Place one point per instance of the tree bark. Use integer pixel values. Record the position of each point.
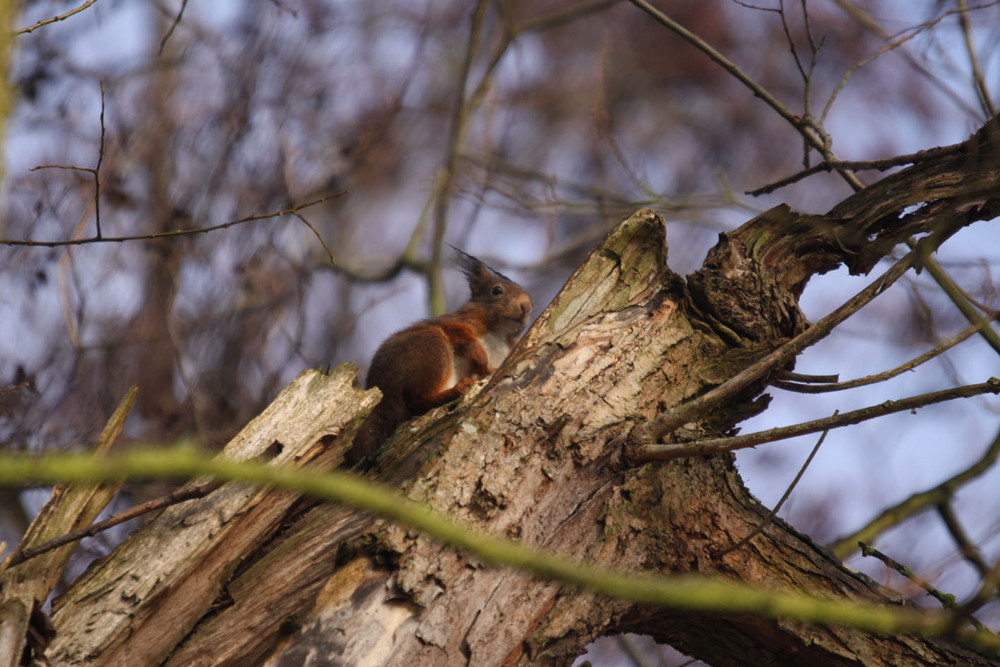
(538, 454)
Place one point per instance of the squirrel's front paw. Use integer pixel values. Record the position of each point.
(463, 385)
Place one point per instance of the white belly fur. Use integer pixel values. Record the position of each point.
(497, 348)
(460, 368)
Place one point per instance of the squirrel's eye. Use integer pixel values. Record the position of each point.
(497, 290)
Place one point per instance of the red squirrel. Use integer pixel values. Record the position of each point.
(435, 361)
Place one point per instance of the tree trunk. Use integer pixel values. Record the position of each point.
(538, 454)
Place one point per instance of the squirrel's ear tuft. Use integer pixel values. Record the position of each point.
(470, 266)
(475, 268)
(481, 276)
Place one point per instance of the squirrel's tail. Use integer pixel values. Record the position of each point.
(376, 430)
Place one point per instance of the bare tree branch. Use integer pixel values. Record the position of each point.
(55, 19)
(917, 503)
(644, 453)
(161, 235)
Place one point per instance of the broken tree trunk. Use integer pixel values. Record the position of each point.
(538, 454)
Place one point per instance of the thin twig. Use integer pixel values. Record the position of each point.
(917, 503)
(858, 165)
(774, 512)
(161, 235)
(986, 592)
(792, 376)
(970, 551)
(820, 388)
(173, 25)
(959, 298)
(718, 445)
(947, 600)
(806, 75)
(178, 496)
(93, 171)
(813, 46)
(97, 169)
(807, 87)
(358, 275)
(319, 237)
(54, 19)
(978, 82)
(795, 52)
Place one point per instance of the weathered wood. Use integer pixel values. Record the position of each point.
(136, 605)
(28, 584)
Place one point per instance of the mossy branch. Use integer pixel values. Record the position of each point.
(691, 592)
(918, 502)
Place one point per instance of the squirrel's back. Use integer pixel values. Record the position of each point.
(435, 361)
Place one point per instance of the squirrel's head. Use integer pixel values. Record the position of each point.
(507, 304)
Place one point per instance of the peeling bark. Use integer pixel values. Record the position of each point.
(137, 604)
(535, 454)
